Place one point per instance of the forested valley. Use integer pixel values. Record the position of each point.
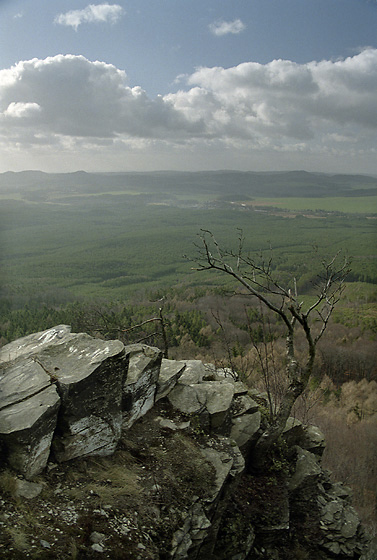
(118, 261)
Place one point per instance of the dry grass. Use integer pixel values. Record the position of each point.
(19, 539)
(8, 482)
(349, 422)
(109, 479)
(359, 400)
(351, 454)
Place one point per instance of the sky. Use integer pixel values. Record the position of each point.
(143, 85)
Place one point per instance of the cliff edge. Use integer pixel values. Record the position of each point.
(111, 451)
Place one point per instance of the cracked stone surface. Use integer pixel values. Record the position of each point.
(170, 372)
(54, 372)
(140, 386)
(34, 343)
(90, 374)
(26, 430)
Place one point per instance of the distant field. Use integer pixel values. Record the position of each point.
(108, 246)
(345, 204)
(155, 198)
(70, 236)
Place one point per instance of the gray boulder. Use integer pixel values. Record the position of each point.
(89, 377)
(246, 419)
(245, 430)
(51, 371)
(34, 343)
(140, 386)
(186, 399)
(29, 406)
(26, 431)
(307, 471)
(227, 461)
(26, 489)
(218, 398)
(308, 437)
(209, 401)
(195, 372)
(170, 372)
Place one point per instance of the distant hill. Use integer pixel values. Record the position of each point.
(241, 184)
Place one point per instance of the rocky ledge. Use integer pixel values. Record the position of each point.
(110, 450)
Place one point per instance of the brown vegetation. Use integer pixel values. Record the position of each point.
(341, 399)
(349, 422)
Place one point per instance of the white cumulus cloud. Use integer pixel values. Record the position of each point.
(93, 13)
(289, 99)
(220, 27)
(19, 110)
(79, 98)
(318, 108)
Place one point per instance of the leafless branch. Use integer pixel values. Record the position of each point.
(257, 278)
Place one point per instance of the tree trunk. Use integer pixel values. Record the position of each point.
(260, 454)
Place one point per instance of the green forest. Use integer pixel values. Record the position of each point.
(75, 240)
(114, 255)
(98, 251)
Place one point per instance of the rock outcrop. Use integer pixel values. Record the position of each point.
(181, 434)
(62, 390)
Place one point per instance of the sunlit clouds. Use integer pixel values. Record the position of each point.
(315, 108)
(93, 13)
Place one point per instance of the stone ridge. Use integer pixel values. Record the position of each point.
(66, 396)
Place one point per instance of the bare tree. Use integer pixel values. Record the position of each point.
(256, 276)
(105, 323)
(161, 322)
(266, 362)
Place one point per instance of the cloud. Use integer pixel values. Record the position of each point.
(290, 99)
(93, 13)
(71, 96)
(320, 108)
(220, 27)
(21, 110)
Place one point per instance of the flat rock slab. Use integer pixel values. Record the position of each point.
(34, 343)
(89, 375)
(20, 380)
(170, 372)
(194, 372)
(26, 430)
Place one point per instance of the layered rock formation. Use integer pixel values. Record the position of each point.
(62, 390)
(66, 397)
